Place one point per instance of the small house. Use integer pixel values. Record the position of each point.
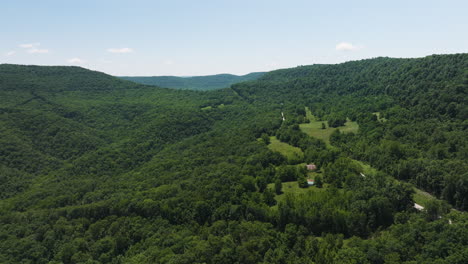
(311, 167)
(310, 182)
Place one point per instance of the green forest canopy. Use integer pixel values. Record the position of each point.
(96, 169)
(200, 83)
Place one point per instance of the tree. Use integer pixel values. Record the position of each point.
(435, 209)
(261, 183)
(302, 182)
(269, 197)
(278, 186)
(286, 173)
(324, 126)
(318, 181)
(249, 183)
(265, 138)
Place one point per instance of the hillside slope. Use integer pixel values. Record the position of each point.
(201, 83)
(425, 101)
(95, 169)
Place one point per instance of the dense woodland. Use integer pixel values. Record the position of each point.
(200, 83)
(96, 169)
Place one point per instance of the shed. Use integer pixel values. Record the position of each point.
(311, 167)
(310, 182)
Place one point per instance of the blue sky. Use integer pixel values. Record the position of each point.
(204, 37)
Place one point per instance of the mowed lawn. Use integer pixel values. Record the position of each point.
(290, 152)
(314, 128)
(421, 197)
(293, 188)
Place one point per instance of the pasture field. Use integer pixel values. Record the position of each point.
(290, 152)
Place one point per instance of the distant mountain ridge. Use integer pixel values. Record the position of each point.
(97, 169)
(201, 83)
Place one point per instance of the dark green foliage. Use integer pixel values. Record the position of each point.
(302, 182)
(266, 138)
(335, 121)
(318, 182)
(338, 171)
(261, 183)
(269, 197)
(278, 186)
(94, 169)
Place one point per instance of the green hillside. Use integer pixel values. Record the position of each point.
(201, 83)
(96, 169)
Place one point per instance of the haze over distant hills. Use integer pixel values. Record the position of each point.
(97, 169)
(202, 83)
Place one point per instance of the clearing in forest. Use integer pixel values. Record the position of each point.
(422, 197)
(290, 152)
(294, 189)
(379, 117)
(314, 128)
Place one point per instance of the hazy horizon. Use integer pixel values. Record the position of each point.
(221, 73)
(182, 38)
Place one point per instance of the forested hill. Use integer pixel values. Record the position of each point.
(56, 78)
(404, 78)
(201, 83)
(96, 169)
(425, 101)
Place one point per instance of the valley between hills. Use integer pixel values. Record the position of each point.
(359, 162)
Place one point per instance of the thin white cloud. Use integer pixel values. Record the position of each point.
(76, 61)
(346, 46)
(10, 53)
(29, 45)
(35, 50)
(121, 50)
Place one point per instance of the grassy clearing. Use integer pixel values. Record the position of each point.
(422, 197)
(290, 152)
(293, 188)
(212, 107)
(309, 114)
(366, 168)
(314, 128)
(380, 119)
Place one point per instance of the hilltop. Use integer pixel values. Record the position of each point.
(201, 83)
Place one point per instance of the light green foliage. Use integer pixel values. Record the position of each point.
(292, 188)
(293, 154)
(422, 198)
(315, 128)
